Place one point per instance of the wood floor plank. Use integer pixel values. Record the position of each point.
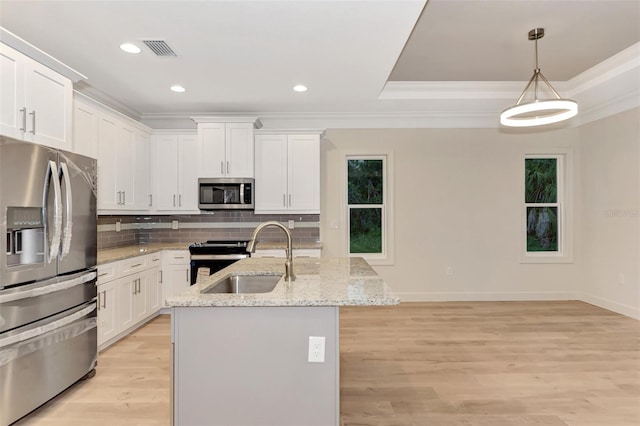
(435, 364)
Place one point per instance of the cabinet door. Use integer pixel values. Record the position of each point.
(166, 172)
(212, 137)
(11, 92)
(271, 173)
(239, 150)
(303, 181)
(107, 154)
(124, 302)
(188, 160)
(126, 166)
(154, 290)
(141, 171)
(107, 315)
(49, 102)
(85, 130)
(140, 288)
(181, 278)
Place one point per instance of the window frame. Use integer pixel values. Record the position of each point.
(386, 257)
(563, 203)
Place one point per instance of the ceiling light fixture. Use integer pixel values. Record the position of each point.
(538, 111)
(300, 88)
(178, 89)
(130, 48)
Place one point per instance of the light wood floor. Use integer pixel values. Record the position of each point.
(437, 364)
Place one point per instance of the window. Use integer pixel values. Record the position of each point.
(367, 207)
(544, 207)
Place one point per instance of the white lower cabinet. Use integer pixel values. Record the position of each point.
(176, 273)
(128, 294)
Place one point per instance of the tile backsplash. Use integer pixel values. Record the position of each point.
(224, 225)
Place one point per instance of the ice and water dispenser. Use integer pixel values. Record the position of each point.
(25, 236)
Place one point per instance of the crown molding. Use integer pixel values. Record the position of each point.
(28, 49)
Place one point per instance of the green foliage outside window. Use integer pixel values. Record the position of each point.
(541, 187)
(365, 186)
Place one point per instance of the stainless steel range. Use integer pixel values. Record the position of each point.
(48, 250)
(212, 256)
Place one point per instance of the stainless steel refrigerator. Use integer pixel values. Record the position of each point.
(48, 250)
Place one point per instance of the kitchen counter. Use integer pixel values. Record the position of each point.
(121, 253)
(319, 282)
(277, 351)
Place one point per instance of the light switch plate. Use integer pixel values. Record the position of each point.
(292, 224)
(174, 224)
(118, 226)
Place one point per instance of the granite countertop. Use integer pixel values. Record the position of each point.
(319, 282)
(121, 253)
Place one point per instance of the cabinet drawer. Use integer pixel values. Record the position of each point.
(106, 273)
(176, 257)
(155, 259)
(133, 265)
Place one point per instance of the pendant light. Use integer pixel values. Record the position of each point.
(538, 112)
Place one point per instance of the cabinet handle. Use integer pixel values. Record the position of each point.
(174, 200)
(284, 200)
(289, 200)
(150, 200)
(99, 300)
(24, 119)
(178, 257)
(228, 167)
(139, 285)
(179, 200)
(136, 265)
(155, 260)
(104, 299)
(124, 197)
(33, 122)
(187, 271)
(133, 287)
(161, 277)
(103, 274)
(222, 168)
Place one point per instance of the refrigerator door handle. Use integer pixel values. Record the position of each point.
(68, 223)
(52, 175)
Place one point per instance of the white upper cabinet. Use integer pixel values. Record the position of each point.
(36, 102)
(85, 129)
(175, 172)
(123, 163)
(226, 145)
(287, 172)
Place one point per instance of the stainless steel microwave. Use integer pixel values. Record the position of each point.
(225, 193)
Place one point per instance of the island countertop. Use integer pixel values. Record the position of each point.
(347, 281)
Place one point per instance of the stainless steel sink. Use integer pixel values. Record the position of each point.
(245, 284)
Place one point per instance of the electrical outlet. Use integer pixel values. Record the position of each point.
(292, 224)
(118, 226)
(174, 224)
(449, 271)
(316, 348)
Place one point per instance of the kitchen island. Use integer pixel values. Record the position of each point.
(243, 359)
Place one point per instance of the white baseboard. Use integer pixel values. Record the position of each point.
(618, 308)
(483, 296)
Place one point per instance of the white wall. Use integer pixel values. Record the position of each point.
(610, 188)
(458, 202)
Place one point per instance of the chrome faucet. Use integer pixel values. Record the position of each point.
(288, 265)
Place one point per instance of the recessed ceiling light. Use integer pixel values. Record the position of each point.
(300, 88)
(130, 48)
(178, 89)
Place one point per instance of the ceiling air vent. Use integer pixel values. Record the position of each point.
(159, 47)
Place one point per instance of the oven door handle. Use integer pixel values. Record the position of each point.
(46, 289)
(218, 256)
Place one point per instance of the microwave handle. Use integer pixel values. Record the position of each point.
(242, 193)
